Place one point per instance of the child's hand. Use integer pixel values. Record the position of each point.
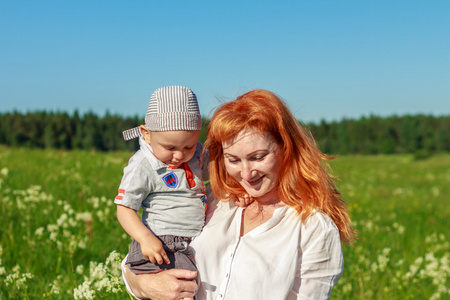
(152, 249)
(243, 200)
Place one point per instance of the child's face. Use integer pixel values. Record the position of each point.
(172, 147)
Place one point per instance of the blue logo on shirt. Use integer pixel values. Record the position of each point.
(171, 180)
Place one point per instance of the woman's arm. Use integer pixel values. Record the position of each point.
(322, 263)
(165, 285)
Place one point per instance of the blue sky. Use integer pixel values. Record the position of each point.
(328, 59)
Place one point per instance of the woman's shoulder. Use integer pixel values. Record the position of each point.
(318, 222)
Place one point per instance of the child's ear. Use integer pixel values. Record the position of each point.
(145, 133)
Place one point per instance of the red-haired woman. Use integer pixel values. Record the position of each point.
(286, 244)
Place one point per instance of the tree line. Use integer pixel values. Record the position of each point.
(367, 135)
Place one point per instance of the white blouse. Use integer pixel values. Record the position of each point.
(284, 258)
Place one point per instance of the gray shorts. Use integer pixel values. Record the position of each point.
(180, 254)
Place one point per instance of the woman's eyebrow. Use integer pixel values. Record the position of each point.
(228, 154)
(249, 154)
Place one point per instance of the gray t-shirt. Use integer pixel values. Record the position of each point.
(170, 205)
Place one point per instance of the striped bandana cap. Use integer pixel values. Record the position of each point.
(170, 108)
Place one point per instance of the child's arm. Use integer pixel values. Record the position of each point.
(151, 246)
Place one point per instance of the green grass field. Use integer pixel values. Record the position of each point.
(60, 238)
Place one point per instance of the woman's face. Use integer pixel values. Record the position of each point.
(254, 160)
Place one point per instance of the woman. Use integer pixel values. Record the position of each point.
(286, 243)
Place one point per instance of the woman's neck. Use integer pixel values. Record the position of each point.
(269, 198)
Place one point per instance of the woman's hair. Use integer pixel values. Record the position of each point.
(304, 183)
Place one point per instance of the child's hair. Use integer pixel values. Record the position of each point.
(304, 183)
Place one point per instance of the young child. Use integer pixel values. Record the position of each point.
(165, 177)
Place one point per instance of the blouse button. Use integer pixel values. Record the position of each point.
(220, 295)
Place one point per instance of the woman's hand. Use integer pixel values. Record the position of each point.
(166, 285)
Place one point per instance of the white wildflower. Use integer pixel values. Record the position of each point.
(53, 236)
(374, 267)
(382, 260)
(82, 244)
(18, 280)
(347, 288)
(116, 284)
(85, 216)
(113, 257)
(39, 231)
(71, 222)
(102, 284)
(400, 229)
(52, 227)
(67, 234)
(94, 201)
(436, 191)
(430, 256)
(68, 208)
(414, 268)
(107, 211)
(83, 291)
(54, 289)
(62, 220)
(369, 225)
(397, 192)
(79, 269)
(101, 216)
(399, 263)
(97, 271)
